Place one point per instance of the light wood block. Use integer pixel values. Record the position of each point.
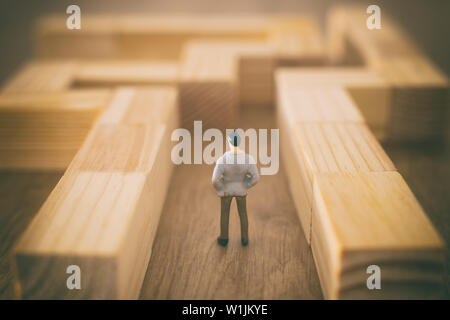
(419, 90)
(95, 39)
(141, 36)
(369, 92)
(103, 214)
(42, 76)
(420, 98)
(332, 147)
(50, 106)
(61, 75)
(297, 41)
(45, 130)
(119, 73)
(208, 85)
(348, 194)
(363, 219)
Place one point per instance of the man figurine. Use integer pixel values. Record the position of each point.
(234, 174)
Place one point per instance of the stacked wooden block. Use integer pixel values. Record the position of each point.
(208, 85)
(355, 208)
(366, 89)
(48, 107)
(66, 74)
(103, 214)
(45, 130)
(419, 90)
(141, 37)
(296, 41)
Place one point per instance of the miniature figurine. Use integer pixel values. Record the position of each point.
(234, 174)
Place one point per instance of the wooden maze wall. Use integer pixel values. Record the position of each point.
(102, 102)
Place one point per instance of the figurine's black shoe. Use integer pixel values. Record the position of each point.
(244, 242)
(222, 242)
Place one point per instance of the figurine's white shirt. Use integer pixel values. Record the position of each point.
(234, 174)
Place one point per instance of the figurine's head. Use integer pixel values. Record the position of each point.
(234, 139)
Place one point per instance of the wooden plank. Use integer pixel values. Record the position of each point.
(297, 41)
(119, 73)
(363, 219)
(48, 107)
(332, 147)
(325, 150)
(369, 91)
(64, 74)
(419, 100)
(208, 85)
(103, 214)
(42, 76)
(141, 36)
(45, 130)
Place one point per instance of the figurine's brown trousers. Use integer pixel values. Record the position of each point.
(225, 216)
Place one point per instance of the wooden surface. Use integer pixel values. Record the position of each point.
(23, 193)
(277, 264)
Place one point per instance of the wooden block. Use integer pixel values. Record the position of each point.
(208, 85)
(347, 27)
(120, 73)
(95, 39)
(103, 214)
(419, 99)
(45, 130)
(370, 92)
(312, 109)
(372, 218)
(256, 65)
(297, 41)
(61, 75)
(162, 37)
(141, 36)
(42, 76)
(333, 147)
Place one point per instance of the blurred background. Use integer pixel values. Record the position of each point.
(425, 21)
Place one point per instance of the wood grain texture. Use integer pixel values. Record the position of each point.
(208, 85)
(103, 214)
(141, 36)
(328, 146)
(366, 90)
(277, 264)
(297, 40)
(44, 130)
(21, 195)
(41, 76)
(363, 219)
(420, 90)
